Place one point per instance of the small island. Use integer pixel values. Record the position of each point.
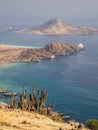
(10, 53)
(58, 26)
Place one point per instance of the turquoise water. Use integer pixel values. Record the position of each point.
(71, 80)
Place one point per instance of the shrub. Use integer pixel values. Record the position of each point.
(56, 118)
(93, 124)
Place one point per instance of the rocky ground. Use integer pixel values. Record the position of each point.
(23, 120)
(15, 54)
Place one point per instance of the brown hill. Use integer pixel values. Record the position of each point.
(58, 26)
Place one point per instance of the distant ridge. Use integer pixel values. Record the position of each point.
(58, 26)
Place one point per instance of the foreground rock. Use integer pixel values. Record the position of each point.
(17, 54)
(22, 120)
(2, 90)
(57, 26)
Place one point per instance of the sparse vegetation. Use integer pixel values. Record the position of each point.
(57, 118)
(93, 124)
(35, 101)
(24, 122)
(5, 123)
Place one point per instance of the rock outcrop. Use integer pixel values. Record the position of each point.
(57, 26)
(34, 55)
(61, 49)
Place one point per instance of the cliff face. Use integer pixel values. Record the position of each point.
(57, 26)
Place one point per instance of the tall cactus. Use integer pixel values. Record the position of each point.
(53, 103)
(33, 91)
(33, 102)
(13, 102)
(39, 93)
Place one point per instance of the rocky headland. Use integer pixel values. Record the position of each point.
(58, 26)
(22, 54)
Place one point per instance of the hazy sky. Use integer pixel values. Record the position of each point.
(42, 8)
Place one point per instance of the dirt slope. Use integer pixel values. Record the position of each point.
(22, 120)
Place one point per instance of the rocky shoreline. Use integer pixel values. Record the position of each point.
(22, 54)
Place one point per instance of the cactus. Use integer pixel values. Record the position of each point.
(49, 110)
(53, 103)
(35, 102)
(23, 91)
(13, 102)
(33, 91)
(39, 93)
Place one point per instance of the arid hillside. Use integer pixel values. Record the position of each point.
(23, 120)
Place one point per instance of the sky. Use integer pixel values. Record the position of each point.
(69, 9)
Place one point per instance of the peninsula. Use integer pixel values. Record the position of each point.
(22, 54)
(58, 26)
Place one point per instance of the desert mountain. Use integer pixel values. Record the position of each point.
(58, 26)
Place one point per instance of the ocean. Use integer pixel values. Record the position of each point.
(71, 80)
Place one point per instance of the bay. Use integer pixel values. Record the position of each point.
(71, 80)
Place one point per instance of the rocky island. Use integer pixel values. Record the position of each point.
(16, 54)
(58, 26)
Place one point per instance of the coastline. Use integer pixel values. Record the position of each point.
(11, 53)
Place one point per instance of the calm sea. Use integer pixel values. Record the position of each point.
(71, 80)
